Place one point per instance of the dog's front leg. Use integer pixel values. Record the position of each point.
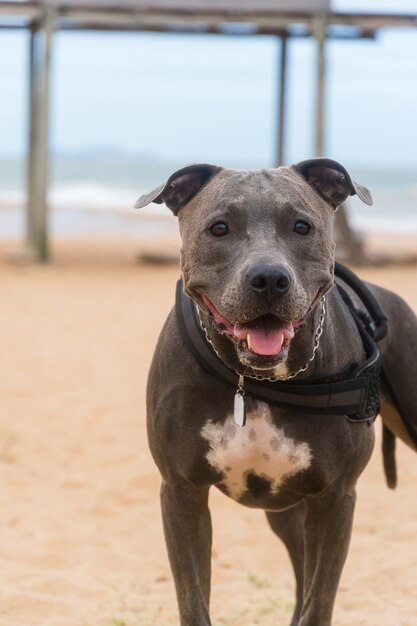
(188, 535)
(328, 528)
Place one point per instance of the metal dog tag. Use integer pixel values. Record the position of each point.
(240, 413)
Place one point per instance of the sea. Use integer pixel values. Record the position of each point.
(94, 194)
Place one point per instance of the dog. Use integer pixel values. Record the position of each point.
(257, 262)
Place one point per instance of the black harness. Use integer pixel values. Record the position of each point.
(353, 392)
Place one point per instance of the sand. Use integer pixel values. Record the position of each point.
(80, 532)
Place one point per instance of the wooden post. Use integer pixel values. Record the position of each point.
(282, 99)
(38, 165)
(320, 34)
(349, 245)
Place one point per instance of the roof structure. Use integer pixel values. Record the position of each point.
(250, 17)
(282, 18)
(190, 6)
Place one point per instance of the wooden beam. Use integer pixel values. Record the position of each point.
(159, 12)
(38, 162)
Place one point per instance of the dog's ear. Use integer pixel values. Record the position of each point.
(180, 187)
(332, 181)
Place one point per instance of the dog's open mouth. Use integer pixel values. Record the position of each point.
(262, 342)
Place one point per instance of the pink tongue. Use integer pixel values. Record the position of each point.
(266, 340)
(266, 343)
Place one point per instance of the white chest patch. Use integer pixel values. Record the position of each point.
(258, 448)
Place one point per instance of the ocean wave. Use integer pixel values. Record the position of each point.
(72, 202)
(86, 196)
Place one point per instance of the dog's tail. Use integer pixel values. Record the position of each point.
(388, 454)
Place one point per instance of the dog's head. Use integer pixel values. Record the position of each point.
(258, 250)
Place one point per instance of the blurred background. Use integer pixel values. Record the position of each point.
(81, 540)
(128, 108)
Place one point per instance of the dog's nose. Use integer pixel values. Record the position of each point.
(269, 280)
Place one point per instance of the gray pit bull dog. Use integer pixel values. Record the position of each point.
(257, 259)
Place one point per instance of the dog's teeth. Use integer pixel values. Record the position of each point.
(248, 341)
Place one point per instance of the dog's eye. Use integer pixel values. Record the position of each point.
(302, 228)
(219, 229)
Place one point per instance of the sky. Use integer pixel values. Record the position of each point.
(196, 98)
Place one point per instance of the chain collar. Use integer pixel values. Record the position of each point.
(316, 343)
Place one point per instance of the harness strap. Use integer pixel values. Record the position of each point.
(349, 397)
(376, 322)
(376, 319)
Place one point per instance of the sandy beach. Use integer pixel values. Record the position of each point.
(81, 540)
